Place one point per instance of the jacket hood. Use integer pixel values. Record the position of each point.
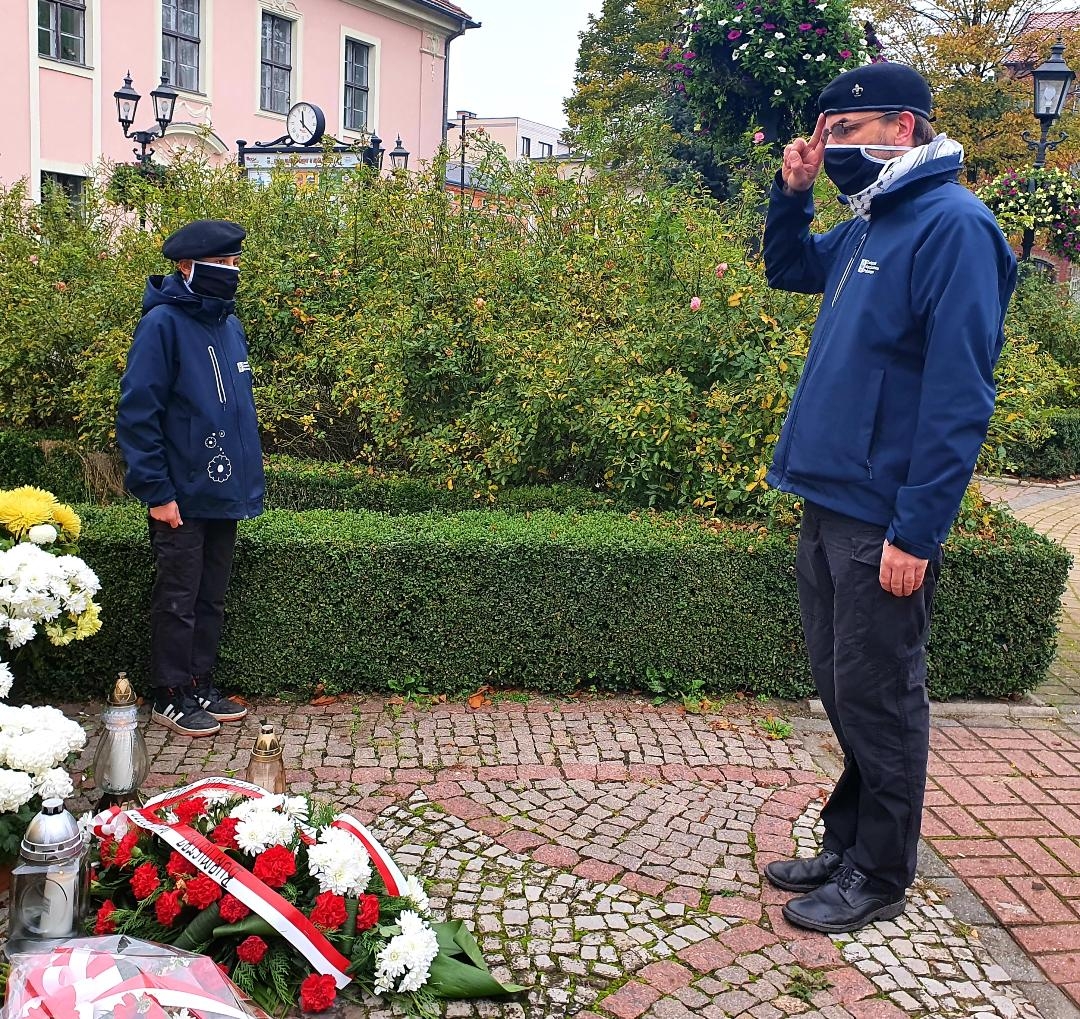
(173, 290)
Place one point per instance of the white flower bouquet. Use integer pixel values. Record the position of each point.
(46, 591)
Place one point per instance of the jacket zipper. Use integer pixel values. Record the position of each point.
(217, 375)
(847, 271)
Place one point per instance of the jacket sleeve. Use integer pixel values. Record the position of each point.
(796, 259)
(963, 276)
(144, 393)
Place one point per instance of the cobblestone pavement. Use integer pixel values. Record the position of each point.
(607, 854)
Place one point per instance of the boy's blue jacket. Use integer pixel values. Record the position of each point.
(898, 386)
(186, 420)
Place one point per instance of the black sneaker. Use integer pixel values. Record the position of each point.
(214, 704)
(180, 711)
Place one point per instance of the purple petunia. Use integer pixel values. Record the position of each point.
(689, 55)
(822, 31)
(768, 26)
(733, 35)
(844, 54)
(680, 87)
(805, 26)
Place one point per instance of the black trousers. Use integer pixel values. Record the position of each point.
(868, 657)
(187, 607)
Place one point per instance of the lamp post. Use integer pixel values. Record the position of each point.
(127, 102)
(463, 116)
(1051, 82)
(399, 156)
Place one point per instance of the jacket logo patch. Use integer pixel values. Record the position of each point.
(868, 266)
(219, 469)
(243, 366)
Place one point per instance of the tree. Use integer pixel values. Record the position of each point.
(977, 57)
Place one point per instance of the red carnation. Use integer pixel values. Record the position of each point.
(275, 866)
(317, 993)
(232, 910)
(167, 908)
(179, 866)
(329, 911)
(201, 892)
(367, 913)
(123, 851)
(224, 834)
(144, 881)
(105, 923)
(107, 850)
(187, 811)
(251, 950)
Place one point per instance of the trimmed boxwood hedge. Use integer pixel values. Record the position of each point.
(1059, 455)
(545, 601)
(61, 467)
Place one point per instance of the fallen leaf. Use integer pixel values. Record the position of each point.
(476, 700)
(324, 699)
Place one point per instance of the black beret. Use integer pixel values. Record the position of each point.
(881, 87)
(205, 238)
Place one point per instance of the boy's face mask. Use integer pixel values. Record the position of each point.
(212, 279)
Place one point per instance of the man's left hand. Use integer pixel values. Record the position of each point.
(901, 574)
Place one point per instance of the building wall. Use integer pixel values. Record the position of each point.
(510, 132)
(65, 114)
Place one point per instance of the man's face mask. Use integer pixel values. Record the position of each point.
(211, 279)
(852, 169)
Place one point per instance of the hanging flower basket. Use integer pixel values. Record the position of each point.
(1045, 200)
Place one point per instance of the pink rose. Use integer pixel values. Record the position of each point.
(695, 303)
(759, 137)
(720, 270)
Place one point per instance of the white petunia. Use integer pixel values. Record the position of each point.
(779, 35)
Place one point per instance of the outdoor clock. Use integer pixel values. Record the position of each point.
(306, 123)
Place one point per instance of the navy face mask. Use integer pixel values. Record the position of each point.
(851, 169)
(211, 279)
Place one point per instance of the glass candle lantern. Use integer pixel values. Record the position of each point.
(267, 768)
(121, 761)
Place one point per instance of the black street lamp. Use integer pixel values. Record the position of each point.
(399, 156)
(463, 116)
(127, 102)
(1052, 80)
(373, 153)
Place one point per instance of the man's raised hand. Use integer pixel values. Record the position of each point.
(802, 159)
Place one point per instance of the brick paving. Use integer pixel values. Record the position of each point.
(608, 853)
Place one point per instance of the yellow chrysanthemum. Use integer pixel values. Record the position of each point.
(88, 623)
(67, 520)
(60, 635)
(22, 508)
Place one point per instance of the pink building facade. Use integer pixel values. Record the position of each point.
(376, 66)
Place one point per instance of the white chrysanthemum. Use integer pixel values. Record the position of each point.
(54, 782)
(16, 788)
(34, 752)
(42, 534)
(414, 892)
(215, 797)
(340, 863)
(20, 631)
(407, 956)
(263, 829)
(6, 679)
(296, 807)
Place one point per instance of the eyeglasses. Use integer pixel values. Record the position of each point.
(843, 128)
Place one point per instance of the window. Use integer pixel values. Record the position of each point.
(545, 150)
(180, 43)
(357, 64)
(62, 30)
(276, 63)
(526, 146)
(66, 184)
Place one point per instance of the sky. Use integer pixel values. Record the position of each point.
(520, 63)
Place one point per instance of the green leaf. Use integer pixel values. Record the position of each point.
(251, 924)
(453, 979)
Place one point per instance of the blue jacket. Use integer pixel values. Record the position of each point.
(186, 420)
(898, 386)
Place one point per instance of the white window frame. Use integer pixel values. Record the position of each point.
(295, 76)
(374, 43)
(203, 88)
(87, 34)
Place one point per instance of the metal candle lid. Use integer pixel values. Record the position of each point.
(122, 693)
(267, 746)
(52, 835)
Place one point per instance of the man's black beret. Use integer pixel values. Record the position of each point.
(880, 87)
(205, 238)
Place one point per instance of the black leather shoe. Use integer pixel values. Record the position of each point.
(804, 874)
(844, 904)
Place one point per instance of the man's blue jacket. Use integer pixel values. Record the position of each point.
(186, 420)
(898, 386)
